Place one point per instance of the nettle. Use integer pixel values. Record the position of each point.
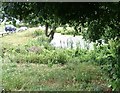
(112, 65)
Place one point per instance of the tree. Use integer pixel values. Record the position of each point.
(96, 16)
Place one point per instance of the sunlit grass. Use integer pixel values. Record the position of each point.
(19, 37)
(1, 27)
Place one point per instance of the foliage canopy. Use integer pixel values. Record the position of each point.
(102, 19)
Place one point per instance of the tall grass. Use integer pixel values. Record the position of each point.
(36, 65)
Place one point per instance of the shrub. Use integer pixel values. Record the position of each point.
(108, 57)
(114, 63)
(38, 33)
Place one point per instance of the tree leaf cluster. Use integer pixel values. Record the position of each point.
(97, 16)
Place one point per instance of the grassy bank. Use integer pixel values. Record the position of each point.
(31, 63)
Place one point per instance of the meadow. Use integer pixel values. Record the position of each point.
(30, 63)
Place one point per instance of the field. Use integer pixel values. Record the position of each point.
(30, 63)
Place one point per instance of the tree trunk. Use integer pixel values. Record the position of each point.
(46, 30)
(76, 31)
(51, 35)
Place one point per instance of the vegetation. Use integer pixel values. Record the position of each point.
(50, 68)
(35, 65)
(100, 19)
(96, 16)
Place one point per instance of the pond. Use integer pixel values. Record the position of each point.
(69, 41)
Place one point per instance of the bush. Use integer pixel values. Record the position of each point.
(108, 57)
(113, 59)
(44, 56)
(38, 32)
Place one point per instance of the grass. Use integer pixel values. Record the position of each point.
(19, 37)
(1, 28)
(67, 31)
(32, 77)
(77, 74)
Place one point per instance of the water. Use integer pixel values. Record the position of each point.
(68, 41)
